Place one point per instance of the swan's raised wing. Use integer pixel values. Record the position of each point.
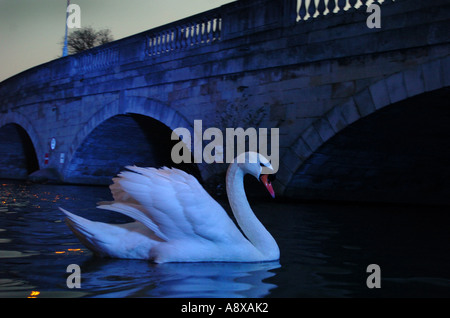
(172, 204)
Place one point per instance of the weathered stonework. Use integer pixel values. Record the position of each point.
(259, 67)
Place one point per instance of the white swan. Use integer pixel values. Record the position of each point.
(176, 220)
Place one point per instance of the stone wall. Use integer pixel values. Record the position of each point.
(249, 63)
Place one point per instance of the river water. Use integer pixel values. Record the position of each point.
(325, 251)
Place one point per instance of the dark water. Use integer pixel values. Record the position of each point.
(325, 251)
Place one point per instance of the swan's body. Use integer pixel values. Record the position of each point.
(177, 220)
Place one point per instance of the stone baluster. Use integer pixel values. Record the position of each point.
(206, 32)
(364, 4)
(166, 41)
(201, 38)
(169, 41)
(183, 34)
(219, 28)
(198, 36)
(173, 39)
(153, 45)
(163, 42)
(341, 4)
(157, 44)
(210, 30)
(198, 31)
(352, 4)
(312, 8)
(301, 10)
(160, 44)
(149, 45)
(177, 37)
(216, 29)
(321, 7)
(331, 6)
(187, 33)
(191, 34)
(168, 37)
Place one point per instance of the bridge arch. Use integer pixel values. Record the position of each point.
(20, 147)
(134, 130)
(411, 85)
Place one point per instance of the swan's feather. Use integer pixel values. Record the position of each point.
(136, 212)
(132, 240)
(177, 204)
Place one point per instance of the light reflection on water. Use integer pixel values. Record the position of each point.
(325, 250)
(128, 278)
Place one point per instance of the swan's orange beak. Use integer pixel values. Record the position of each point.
(265, 180)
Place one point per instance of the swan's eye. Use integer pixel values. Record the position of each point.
(272, 177)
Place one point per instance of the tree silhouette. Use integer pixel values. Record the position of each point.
(87, 38)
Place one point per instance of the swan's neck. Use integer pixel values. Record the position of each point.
(250, 225)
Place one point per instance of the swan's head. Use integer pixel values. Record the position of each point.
(258, 166)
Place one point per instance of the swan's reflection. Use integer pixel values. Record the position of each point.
(130, 278)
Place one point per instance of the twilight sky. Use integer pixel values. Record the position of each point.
(31, 31)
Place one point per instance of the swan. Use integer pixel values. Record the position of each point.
(176, 220)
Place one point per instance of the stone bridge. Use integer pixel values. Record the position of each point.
(363, 113)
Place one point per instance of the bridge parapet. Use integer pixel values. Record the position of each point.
(98, 59)
(225, 23)
(201, 29)
(236, 37)
(308, 10)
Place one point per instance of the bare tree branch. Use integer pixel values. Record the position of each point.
(87, 38)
